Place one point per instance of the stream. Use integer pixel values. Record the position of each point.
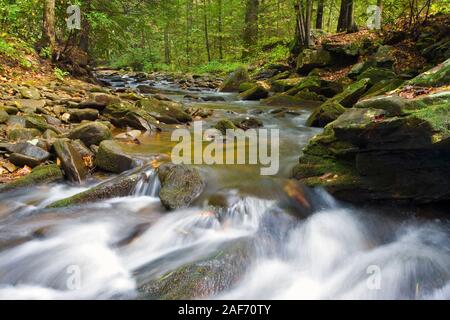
(260, 247)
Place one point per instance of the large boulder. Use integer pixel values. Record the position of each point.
(91, 133)
(326, 113)
(30, 93)
(436, 77)
(224, 125)
(284, 100)
(112, 158)
(22, 134)
(376, 75)
(285, 84)
(352, 93)
(234, 80)
(256, 93)
(180, 185)
(99, 100)
(71, 160)
(79, 115)
(39, 175)
(309, 59)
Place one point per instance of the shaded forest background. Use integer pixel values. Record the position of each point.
(193, 35)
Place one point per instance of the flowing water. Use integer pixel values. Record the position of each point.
(263, 245)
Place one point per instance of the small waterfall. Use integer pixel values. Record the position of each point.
(148, 185)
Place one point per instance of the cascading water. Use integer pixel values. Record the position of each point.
(257, 247)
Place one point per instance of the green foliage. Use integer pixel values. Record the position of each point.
(15, 50)
(60, 74)
(217, 67)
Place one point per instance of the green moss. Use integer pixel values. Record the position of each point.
(438, 76)
(438, 116)
(224, 125)
(246, 86)
(39, 175)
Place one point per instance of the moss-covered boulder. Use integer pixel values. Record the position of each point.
(246, 123)
(383, 87)
(385, 56)
(40, 123)
(22, 134)
(235, 79)
(4, 116)
(326, 113)
(39, 175)
(256, 93)
(306, 94)
(180, 185)
(309, 59)
(165, 111)
(87, 114)
(359, 68)
(120, 186)
(91, 133)
(72, 162)
(352, 93)
(376, 75)
(436, 77)
(246, 86)
(224, 125)
(285, 84)
(112, 158)
(99, 100)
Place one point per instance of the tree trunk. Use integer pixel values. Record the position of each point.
(189, 5)
(351, 25)
(167, 59)
(308, 23)
(205, 17)
(85, 28)
(48, 26)
(250, 36)
(319, 19)
(220, 27)
(343, 12)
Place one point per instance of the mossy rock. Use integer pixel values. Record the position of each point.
(352, 93)
(124, 115)
(305, 94)
(256, 93)
(165, 111)
(112, 158)
(326, 113)
(40, 175)
(234, 80)
(4, 116)
(40, 123)
(91, 133)
(285, 84)
(436, 77)
(180, 185)
(309, 59)
(284, 100)
(359, 68)
(376, 75)
(246, 86)
(382, 87)
(120, 186)
(224, 125)
(71, 160)
(23, 134)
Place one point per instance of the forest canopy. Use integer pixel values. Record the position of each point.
(204, 35)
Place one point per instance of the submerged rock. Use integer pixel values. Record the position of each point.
(39, 175)
(180, 185)
(91, 133)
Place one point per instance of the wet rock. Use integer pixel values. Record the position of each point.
(129, 136)
(111, 157)
(180, 185)
(234, 80)
(91, 133)
(286, 84)
(283, 100)
(120, 186)
(213, 98)
(224, 125)
(256, 93)
(326, 113)
(309, 59)
(124, 115)
(26, 154)
(39, 175)
(164, 111)
(146, 89)
(79, 115)
(71, 160)
(246, 86)
(247, 123)
(305, 94)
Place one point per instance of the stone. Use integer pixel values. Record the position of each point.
(99, 100)
(21, 134)
(247, 123)
(30, 93)
(376, 75)
(40, 175)
(256, 93)
(352, 93)
(234, 80)
(71, 161)
(79, 115)
(224, 125)
(164, 111)
(436, 77)
(309, 59)
(283, 100)
(28, 105)
(246, 86)
(40, 123)
(4, 116)
(180, 185)
(91, 133)
(326, 113)
(285, 84)
(111, 158)
(124, 115)
(26, 154)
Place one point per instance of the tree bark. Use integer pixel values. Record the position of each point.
(343, 13)
(167, 59)
(48, 26)
(308, 23)
(85, 28)
(205, 17)
(220, 27)
(319, 19)
(250, 35)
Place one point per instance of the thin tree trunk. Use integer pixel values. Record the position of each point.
(308, 23)
(85, 28)
(205, 17)
(250, 35)
(167, 44)
(48, 31)
(220, 31)
(343, 13)
(319, 19)
(188, 30)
